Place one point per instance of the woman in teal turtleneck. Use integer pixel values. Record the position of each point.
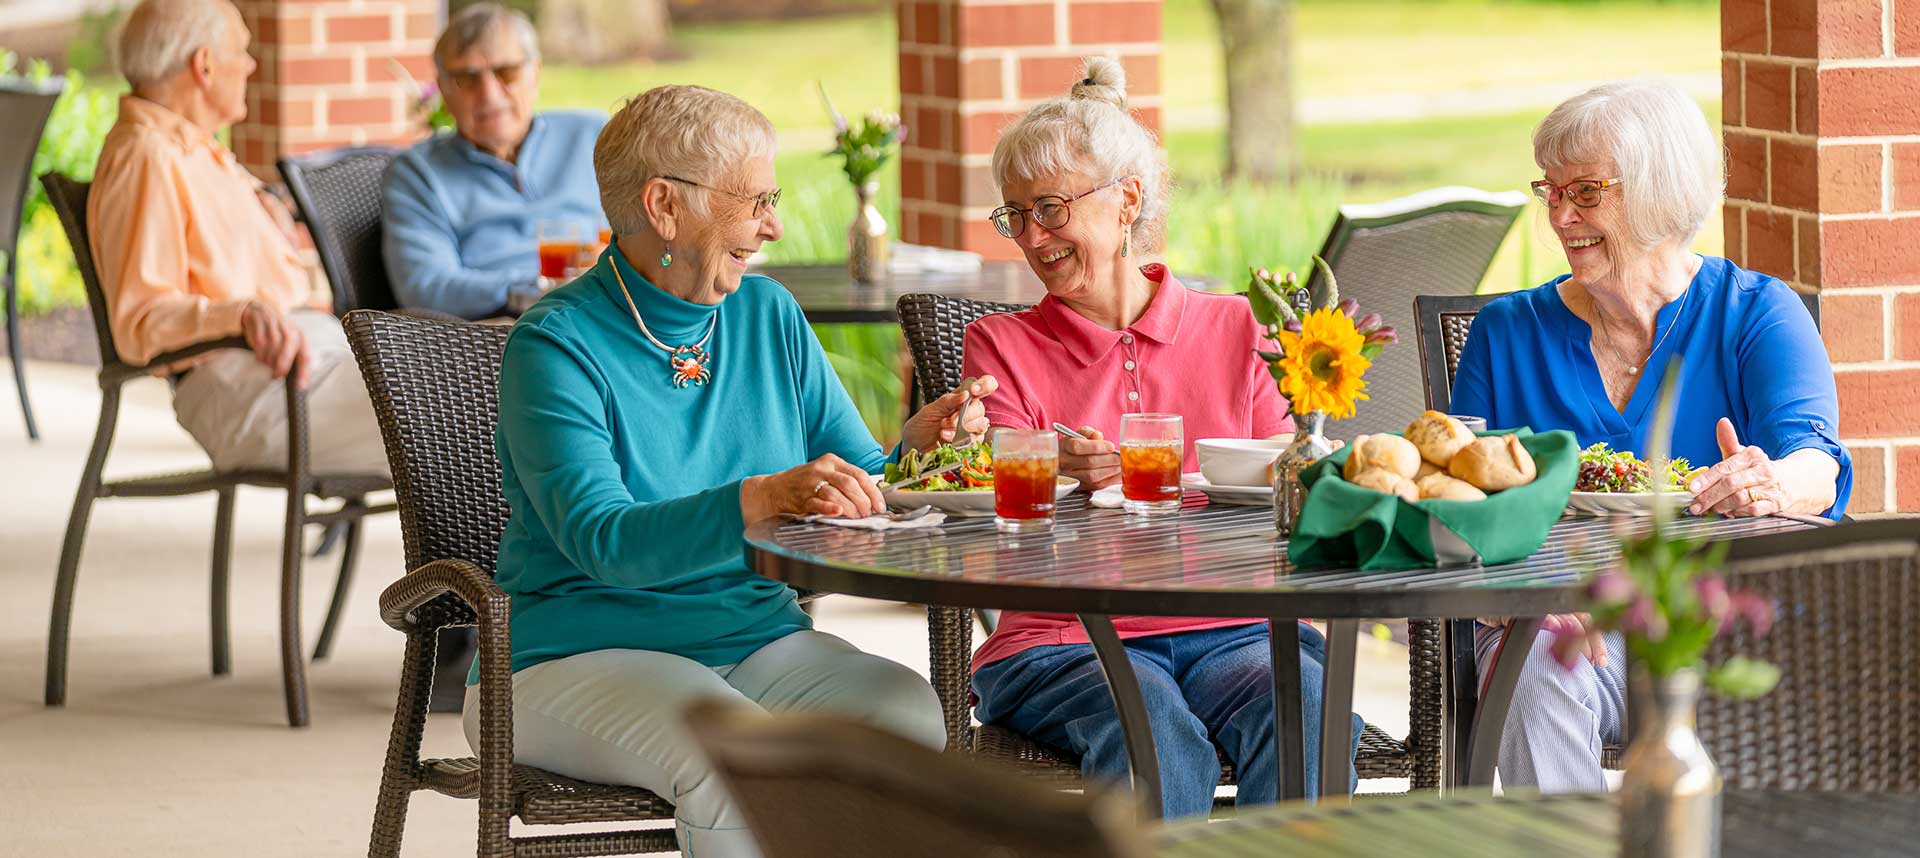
(649, 411)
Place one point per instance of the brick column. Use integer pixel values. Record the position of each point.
(325, 79)
(969, 68)
(1823, 191)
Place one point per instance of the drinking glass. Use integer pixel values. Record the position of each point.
(1026, 467)
(560, 246)
(1150, 455)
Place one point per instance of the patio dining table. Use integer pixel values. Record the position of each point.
(1213, 561)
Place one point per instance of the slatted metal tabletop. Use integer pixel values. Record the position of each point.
(1754, 824)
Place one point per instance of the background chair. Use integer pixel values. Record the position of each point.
(1383, 254)
(435, 389)
(814, 786)
(1443, 322)
(26, 105)
(338, 194)
(69, 200)
(934, 327)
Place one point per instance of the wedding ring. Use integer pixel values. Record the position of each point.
(822, 485)
(1753, 494)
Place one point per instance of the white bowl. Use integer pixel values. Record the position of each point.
(1238, 461)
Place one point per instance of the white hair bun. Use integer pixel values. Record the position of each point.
(1104, 80)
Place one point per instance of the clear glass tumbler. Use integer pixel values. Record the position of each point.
(1026, 468)
(1151, 448)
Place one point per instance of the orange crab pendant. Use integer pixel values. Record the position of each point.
(690, 366)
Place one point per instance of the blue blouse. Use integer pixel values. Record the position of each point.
(1748, 350)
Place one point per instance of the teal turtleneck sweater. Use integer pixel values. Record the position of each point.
(625, 490)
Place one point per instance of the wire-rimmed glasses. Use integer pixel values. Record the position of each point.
(762, 202)
(1584, 193)
(1051, 211)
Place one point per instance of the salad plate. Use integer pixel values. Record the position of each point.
(966, 491)
(1616, 482)
(1626, 503)
(975, 501)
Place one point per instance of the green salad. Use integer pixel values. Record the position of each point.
(1604, 469)
(976, 475)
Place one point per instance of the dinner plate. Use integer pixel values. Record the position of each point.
(962, 503)
(1624, 503)
(1236, 495)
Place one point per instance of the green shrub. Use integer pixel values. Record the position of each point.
(70, 145)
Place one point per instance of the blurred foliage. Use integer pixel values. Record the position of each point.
(70, 145)
(91, 51)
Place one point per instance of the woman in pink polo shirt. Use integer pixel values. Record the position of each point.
(1086, 192)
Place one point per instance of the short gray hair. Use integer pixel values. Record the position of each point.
(473, 24)
(1090, 131)
(1673, 174)
(158, 38)
(691, 132)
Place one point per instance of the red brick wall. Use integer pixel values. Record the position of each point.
(970, 67)
(326, 77)
(1823, 190)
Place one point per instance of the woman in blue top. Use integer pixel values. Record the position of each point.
(649, 411)
(1632, 172)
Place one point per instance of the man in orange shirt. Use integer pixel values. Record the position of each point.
(189, 248)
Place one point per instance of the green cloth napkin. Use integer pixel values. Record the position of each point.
(1345, 525)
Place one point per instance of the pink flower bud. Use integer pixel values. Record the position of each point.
(1349, 307)
(1642, 618)
(1293, 326)
(1714, 601)
(1755, 610)
(1384, 334)
(1612, 587)
(1367, 323)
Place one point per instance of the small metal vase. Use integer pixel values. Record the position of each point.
(1309, 446)
(867, 249)
(1670, 792)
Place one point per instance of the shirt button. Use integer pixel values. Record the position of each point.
(1133, 396)
(1126, 338)
(1129, 365)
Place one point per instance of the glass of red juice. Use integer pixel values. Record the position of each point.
(560, 247)
(1026, 468)
(1151, 448)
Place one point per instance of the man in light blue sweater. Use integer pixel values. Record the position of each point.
(462, 209)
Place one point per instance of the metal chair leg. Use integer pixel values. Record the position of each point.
(293, 665)
(989, 619)
(329, 537)
(59, 629)
(349, 553)
(13, 350)
(219, 605)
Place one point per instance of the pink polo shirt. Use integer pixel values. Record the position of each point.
(1190, 354)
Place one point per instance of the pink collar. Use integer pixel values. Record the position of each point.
(1089, 342)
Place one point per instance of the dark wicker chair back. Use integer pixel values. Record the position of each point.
(1443, 322)
(69, 199)
(435, 388)
(26, 105)
(1843, 716)
(935, 325)
(1438, 241)
(814, 786)
(338, 193)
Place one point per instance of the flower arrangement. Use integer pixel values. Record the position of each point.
(1325, 346)
(1665, 597)
(425, 105)
(865, 147)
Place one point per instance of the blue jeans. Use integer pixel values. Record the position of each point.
(1202, 689)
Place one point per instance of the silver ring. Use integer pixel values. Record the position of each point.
(822, 485)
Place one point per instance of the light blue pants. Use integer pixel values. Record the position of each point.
(1560, 717)
(614, 716)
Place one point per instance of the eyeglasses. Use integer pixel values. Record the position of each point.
(468, 78)
(1584, 193)
(1050, 211)
(762, 202)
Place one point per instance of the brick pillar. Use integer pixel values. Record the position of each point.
(1823, 191)
(969, 68)
(325, 79)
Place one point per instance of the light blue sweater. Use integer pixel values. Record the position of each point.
(625, 490)
(461, 225)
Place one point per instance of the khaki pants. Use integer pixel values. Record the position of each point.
(232, 405)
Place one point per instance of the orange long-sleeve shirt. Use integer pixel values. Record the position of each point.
(181, 237)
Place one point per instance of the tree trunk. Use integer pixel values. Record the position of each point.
(602, 31)
(1256, 40)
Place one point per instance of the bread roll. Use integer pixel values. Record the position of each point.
(1494, 463)
(1438, 437)
(1427, 469)
(1442, 487)
(1392, 453)
(1388, 482)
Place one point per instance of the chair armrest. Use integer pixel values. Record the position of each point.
(415, 603)
(123, 371)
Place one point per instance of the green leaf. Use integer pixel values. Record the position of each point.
(1269, 357)
(1742, 678)
(1261, 298)
(1326, 292)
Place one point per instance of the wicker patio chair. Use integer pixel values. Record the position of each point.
(934, 327)
(351, 490)
(1442, 323)
(1439, 241)
(1844, 715)
(338, 194)
(815, 786)
(27, 105)
(435, 389)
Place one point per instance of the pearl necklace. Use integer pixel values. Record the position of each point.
(689, 362)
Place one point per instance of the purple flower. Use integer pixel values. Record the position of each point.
(1642, 617)
(1384, 334)
(1612, 587)
(1367, 323)
(1293, 326)
(1755, 609)
(1349, 307)
(1714, 600)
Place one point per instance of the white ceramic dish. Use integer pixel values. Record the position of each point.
(1238, 461)
(1235, 495)
(1625, 503)
(963, 503)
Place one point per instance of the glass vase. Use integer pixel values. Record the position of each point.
(1670, 792)
(867, 236)
(1309, 445)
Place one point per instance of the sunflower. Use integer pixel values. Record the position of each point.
(1323, 364)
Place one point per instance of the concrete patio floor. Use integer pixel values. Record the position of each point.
(152, 756)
